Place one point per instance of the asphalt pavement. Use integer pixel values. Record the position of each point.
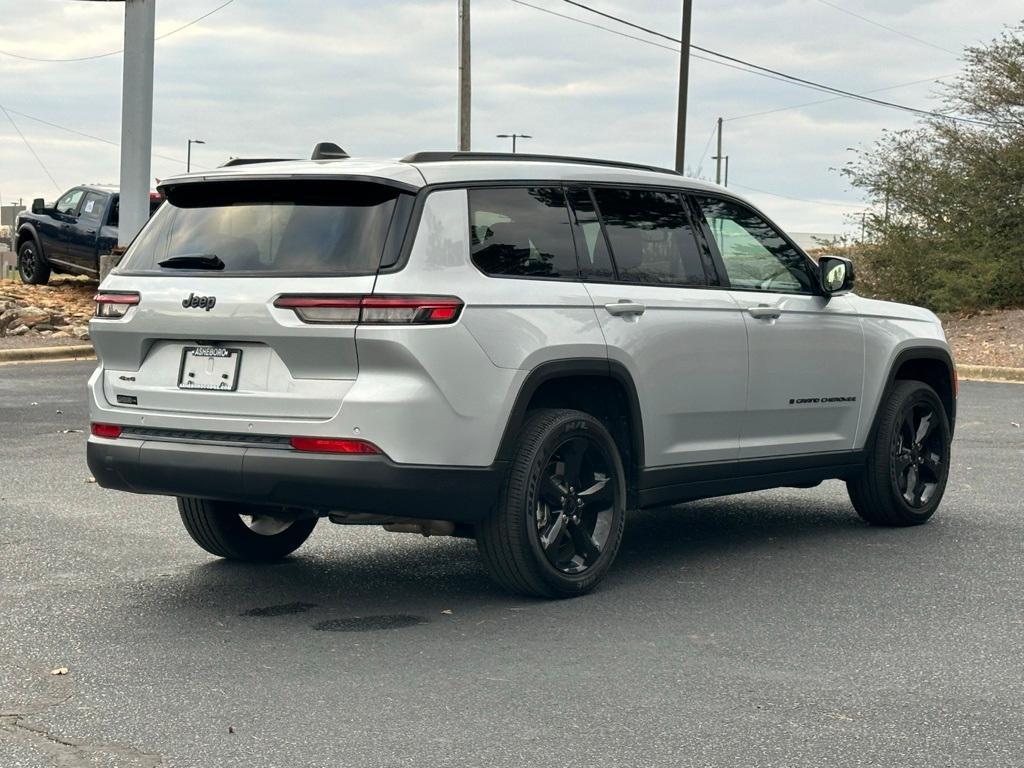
(771, 629)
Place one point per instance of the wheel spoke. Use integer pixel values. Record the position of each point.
(910, 489)
(933, 462)
(584, 543)
(595, 489)
(552, 491)
(572, 455)
(903, 461)
(551, 537)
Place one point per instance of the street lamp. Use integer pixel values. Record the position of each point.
(188, 157)
(513, 136)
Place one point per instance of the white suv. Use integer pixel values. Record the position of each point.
(514, 348)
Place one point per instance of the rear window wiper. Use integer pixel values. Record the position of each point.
(193, 261)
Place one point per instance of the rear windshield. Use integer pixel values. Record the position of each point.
(261, 227)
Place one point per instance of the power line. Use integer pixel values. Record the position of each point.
(80, 133)
(790, 78)
(36, 156)
(834, 98)
(119, 50)
(647, 42)
(890, 29)
(797, 199)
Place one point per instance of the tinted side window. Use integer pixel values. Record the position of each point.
(523, 231)
(92, 207)
(592, 246)
(756, 256)
(651, 237)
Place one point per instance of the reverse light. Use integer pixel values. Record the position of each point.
(374, 310)
(331, 445)
(109, 431)
(114, 305)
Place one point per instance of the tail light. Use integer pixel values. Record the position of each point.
(330, 445)
(109, 431)
(374, 310)
(114, 305)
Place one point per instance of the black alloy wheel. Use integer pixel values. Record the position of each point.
(908, 457)
(557, 527)
(575, 505)
(31, 266)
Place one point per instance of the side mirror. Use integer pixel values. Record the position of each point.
(39, 205)
(836, 275)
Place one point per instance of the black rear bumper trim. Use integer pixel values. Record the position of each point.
(271, 476)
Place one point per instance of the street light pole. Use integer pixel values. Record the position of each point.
(513, 136)
(188, 157)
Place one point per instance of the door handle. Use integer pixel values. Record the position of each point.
(626, 308)
(765, 313)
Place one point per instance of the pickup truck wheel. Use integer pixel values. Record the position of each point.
(558, 524)
(240, 532)
(32, 267)
(908, 462)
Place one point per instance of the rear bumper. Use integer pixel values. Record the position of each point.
(368, 484)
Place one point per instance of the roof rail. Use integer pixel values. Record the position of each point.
(445, 157)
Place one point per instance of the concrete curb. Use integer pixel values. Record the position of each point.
(990, 373)
(65, 352)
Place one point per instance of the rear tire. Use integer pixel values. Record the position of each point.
(907, 464)
(32, 265)
(218, 527)
(558, 523)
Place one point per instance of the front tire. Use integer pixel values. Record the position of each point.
(908, 462)
(558, 524)
(32, 265)
(219, 527)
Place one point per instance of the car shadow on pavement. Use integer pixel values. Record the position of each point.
(340, 577)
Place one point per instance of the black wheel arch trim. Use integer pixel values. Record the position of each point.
(559, 369)
(902, 358)
(25, 232)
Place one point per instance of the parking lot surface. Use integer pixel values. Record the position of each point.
(772, 629)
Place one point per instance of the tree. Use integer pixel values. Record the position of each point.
(947, 225)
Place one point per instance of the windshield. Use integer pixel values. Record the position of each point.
(261, 227)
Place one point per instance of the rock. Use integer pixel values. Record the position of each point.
(80, 331)
(17, 330)
(44, 328)
(33, 316)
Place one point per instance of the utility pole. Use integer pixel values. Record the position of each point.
(465, 79)
(188, 157)
(684, 81)
(719, 156)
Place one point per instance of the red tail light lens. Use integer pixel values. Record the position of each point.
(374, 310)
(114, 305)
(109, 431)
(329, 445)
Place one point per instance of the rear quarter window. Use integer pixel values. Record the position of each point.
(521, 232)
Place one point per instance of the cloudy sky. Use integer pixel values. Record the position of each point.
(379, 77)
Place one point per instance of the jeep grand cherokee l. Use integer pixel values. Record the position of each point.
(518, 349)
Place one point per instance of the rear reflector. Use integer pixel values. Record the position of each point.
(110, 431)
(374, 310)
(113, 305)
(328, 445)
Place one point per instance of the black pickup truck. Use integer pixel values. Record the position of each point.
(71, 236)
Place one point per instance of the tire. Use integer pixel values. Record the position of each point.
(218, 527)
(549, 536)
(32, 265)
(907, 464)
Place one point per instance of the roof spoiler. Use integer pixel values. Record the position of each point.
(326, 150)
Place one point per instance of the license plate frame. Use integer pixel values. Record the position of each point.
(222, 374)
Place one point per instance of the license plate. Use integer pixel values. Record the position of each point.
(210, 368)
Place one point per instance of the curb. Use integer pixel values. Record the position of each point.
(990, 373)
(65, 352)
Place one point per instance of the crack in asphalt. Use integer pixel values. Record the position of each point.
(73, 753)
